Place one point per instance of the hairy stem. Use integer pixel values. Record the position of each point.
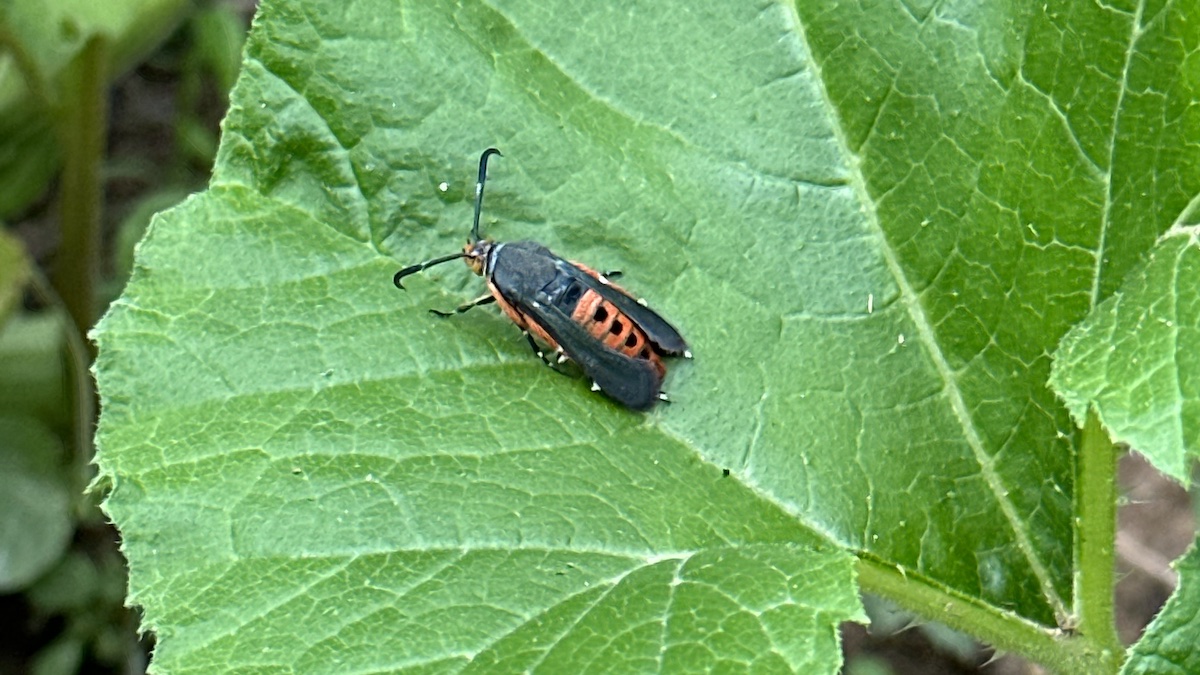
(1062, 652)
(1095, 533)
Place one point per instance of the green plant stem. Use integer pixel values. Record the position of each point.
(1095, 532)
(82, 391)
(82, 120)
(1062, 652)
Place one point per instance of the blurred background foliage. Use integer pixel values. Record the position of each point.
(109, 113)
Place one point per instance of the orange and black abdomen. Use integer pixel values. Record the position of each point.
(609, 325)
(599, 317)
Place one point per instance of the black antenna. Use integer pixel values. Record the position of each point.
(479, 189)
(413, 269)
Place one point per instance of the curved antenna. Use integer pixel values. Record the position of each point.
(479, 189)
(413, 269)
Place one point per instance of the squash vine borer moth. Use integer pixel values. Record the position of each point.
(575, 310)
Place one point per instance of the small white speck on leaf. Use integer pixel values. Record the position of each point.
(443, 186)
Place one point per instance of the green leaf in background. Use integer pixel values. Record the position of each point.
(1168, 646)
(35, 499)
(35, 517)
(872, 224)
(33, 374)
(1135, 358)
(218, 33)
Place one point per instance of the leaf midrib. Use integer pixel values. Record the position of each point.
(916, 312)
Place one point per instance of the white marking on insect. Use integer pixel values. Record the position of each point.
(595, 387)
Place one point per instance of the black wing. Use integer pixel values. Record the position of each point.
(632, 382)
(661, 334)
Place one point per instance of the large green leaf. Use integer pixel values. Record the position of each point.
(873, 224)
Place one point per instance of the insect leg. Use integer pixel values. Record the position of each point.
(613, 274)
(536, 349)
(483, 300)
(541, 354)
